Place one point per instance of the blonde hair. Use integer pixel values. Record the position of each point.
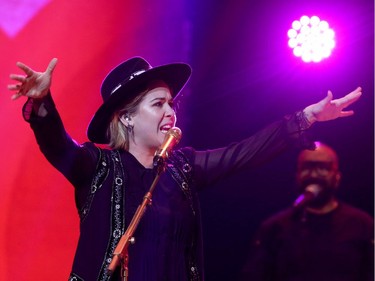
(117, 133)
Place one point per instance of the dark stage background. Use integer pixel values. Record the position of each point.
(244, 77)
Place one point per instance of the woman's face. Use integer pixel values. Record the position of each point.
(154, 117)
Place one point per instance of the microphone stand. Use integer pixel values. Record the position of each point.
(120, 254)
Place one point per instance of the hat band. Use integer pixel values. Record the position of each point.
(133, 75)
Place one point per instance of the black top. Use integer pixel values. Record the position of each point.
(290, 246)
(164, 237)
(165, 230)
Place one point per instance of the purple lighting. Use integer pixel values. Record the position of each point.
(311, 39)
(14, 15)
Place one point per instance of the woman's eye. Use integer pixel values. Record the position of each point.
(162, 103)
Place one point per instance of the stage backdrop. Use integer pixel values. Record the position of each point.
(39, 222)
(244, 77)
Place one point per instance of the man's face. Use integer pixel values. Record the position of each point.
(319, 167)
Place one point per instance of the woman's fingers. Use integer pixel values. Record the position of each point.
(51, 66)
(17, 77)
(28, 71)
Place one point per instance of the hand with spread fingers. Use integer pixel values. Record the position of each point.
(34, 84)
(329, 108)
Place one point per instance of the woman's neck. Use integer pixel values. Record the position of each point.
(144, 156)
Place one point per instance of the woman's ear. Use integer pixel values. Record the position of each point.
(126, 120)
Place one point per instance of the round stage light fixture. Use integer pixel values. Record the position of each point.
(311, 39)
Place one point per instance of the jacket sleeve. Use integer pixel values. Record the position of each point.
(212, 165)
(76, 162)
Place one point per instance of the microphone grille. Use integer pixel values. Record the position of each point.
(176, 133)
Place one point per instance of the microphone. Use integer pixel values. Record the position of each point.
(172, 138)
(310, 193)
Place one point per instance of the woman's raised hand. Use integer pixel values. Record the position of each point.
(329, 108)
(34, 84)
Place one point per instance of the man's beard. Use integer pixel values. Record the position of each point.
(326, 193)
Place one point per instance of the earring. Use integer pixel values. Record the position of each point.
(130, 128)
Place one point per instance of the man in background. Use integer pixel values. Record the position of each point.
(319, 238)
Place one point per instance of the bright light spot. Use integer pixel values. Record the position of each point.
(323, 25)
(296, 25)
(311, 39)
(305, 20)
(297, 51)
(330, 33)
(292, 33)
(314, 20)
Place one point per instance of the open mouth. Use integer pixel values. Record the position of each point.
(164, 129)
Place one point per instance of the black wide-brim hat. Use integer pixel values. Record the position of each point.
(125, 82)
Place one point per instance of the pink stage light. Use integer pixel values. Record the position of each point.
(15, 15)
(311, 39)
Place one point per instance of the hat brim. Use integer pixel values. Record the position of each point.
(175, 75)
